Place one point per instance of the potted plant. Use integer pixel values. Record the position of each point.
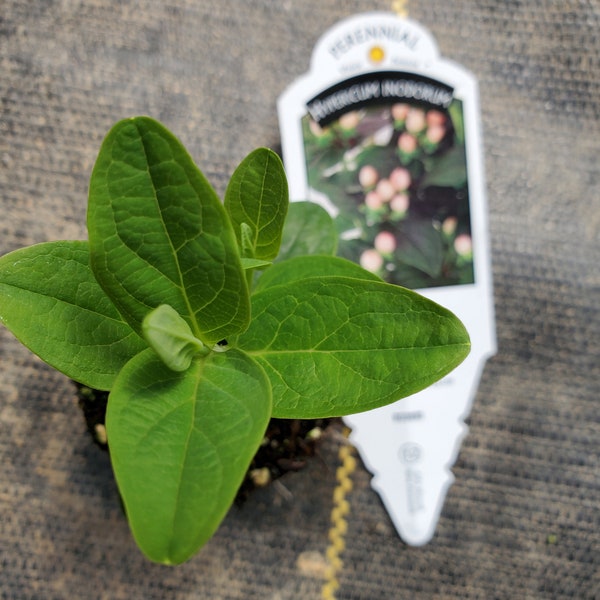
(165, 306)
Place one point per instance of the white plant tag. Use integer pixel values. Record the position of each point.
(384, 133)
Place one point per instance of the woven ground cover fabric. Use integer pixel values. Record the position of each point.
(522, 519)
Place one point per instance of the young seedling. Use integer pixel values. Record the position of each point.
(164, 307)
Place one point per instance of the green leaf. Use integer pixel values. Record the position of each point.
(159, 234)
(51, 302)
(456, 115)
(334, 345)
(181, 443)
(421, 247)
(171, 338)
(303, 267)
(308, 229)
(447, 170)
(254, 263)
(257, 201)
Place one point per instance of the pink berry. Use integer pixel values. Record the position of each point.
(400, 111)
(399, 203)
(415, 121)
(407, 143)
(385, 189)
(373, 201)
(400, 179)
(368, 176)
(449, 225)
(350, 120)
(463, 244)
(371, 260)
(435, 117)
(435, 133)
(385, 242)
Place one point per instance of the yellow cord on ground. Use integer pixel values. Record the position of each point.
(400, 7)
(339, 525)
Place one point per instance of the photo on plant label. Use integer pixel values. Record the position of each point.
(395, 177)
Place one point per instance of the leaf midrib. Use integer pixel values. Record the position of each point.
(173, 540)
(257, 225)
(275, 213)
(347, 350)
(181, 285)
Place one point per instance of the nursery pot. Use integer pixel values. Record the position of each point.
(286, 446)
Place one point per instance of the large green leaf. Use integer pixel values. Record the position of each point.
(181, 443)
(50, 300)
(303, 267)
(159, 234)
(336, 345)
(308, 229)
(257, 202)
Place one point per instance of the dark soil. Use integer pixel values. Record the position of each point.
(287, 445)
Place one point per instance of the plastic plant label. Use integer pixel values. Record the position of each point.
(384, 134)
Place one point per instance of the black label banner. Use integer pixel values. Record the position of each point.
(377, 88)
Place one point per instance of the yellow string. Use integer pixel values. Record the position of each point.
(339, 525)
(341, 506)
(400, 7)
